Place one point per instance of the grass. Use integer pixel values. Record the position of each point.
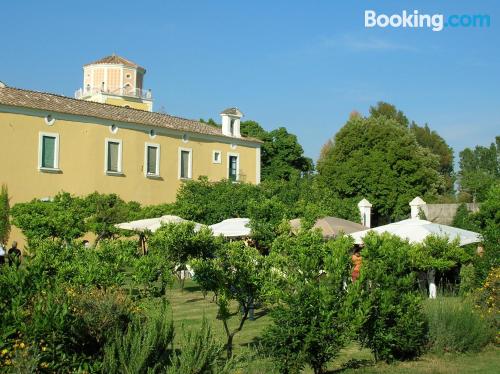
(189, 307)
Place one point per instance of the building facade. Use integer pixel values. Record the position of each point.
(99, 142)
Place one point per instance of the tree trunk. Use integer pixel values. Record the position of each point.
(229, 346)
(431, 279)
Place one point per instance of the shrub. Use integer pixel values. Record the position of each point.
(312, 318)
(487, 299)
(144, 347)
(467, 279)
(454, 326)
(394, 326)
(199, 352)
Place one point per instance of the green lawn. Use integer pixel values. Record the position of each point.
(189, 306)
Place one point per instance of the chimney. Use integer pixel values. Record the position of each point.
(231, 122)
(365, 210)
(416, 205)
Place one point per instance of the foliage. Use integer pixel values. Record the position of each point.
(394, 326)
(489, 222)
(104, 211)
(178, 243)
(265, 218)
(480, 169)
(61, 218)
(211, 202)
(467, 279)
(312, 318)
(389, 111)
(437, 145)
(144, 347)
(437, 252)
(4, 215)
(487, 299)
(380, 160)
(199, 352)
(238, 275)
(68, 217)
(464, 219)
(454, 326)
(282, 157)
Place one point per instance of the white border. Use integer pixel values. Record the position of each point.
(56, 150)
(190, 166)
(157, 171)
(120, 150)
(214, 161)
(229, 154)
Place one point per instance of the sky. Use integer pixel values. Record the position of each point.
(305, 65)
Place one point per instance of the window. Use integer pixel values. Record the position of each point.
(152, 160)
(216, 157)
(185, 163)
(233, 166)
(48, 154)
(113, 160)
(231, 127)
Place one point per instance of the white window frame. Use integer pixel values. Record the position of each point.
(120, 159)
(190, 165)
(229, 154)
(214, 161)
(157, 171)
(56, 151)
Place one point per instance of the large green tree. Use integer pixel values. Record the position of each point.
(437, 145)
(380, 160)
(479, 169)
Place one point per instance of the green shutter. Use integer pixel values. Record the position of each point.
(113, 148)
(152, 152)
(48, 151)
(184, 164)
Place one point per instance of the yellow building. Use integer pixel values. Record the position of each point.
(99, 142)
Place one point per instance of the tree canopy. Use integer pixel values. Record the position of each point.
(480, 169)
(380, 160)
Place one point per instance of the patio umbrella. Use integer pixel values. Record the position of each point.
(232, 228)
(330, 226)
(416, 230)
(153, 224)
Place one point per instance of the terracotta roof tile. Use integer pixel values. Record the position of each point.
(62, 104)
(114, 59)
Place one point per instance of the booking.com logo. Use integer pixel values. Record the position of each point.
(435, 22)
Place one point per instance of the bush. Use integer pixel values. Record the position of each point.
(199, 352)
(454, 326)
(312, 317)
(467, 279)
(144, 347)
(487, 299)
(394, 326)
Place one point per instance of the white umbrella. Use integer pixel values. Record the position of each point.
(416, 230)
(153, 224)
(232, 228)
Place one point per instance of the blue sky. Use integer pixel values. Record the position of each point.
(304, 64)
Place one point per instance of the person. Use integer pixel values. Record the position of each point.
(356, 260)
(86, 244)
(480, 250)
(14, 255)
(2, 254)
